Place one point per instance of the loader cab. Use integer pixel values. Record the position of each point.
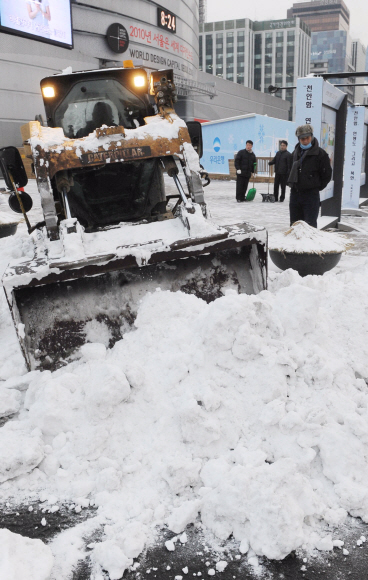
(107, 194)
(79, 103)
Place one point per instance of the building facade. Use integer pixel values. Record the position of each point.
(24, 62)
(358, 58)
(332, 53)
(202, 11)
(232, 100)
(257, 54)
(320, 15)
(226, 50)
(332, 48)
(281, 55)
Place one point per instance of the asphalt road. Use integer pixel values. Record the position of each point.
(197, 557)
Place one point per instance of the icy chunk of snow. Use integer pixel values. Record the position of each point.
(22, 557)
(110, 557)
(170, 545)
(20, 452)
(221, 565)
(9, 402)
(93, 351)
(182, 516)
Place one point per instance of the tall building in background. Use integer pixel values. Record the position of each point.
(226, 50)
(202, 11)
(281, 54)
(331, 53)
(358, 58)
(332, 48)
(257, 54)
(321, 15)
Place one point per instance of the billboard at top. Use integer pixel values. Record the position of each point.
(44, 20)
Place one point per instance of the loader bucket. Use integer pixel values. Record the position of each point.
(57, 310)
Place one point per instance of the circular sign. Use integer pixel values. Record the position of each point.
(117, 37)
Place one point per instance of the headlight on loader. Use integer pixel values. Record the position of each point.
(139, 81)
(48, 92)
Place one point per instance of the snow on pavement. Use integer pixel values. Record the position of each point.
(249, 414)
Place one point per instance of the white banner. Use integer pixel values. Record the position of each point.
(317, 103)
(353, 157)
(309, 99)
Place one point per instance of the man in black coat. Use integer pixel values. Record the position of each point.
(310, 173)
(282, 161)
(245, 165)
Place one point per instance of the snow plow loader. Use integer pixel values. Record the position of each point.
(110, 233)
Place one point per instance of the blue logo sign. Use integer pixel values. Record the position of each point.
(217, 144)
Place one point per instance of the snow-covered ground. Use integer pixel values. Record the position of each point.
(247, 416)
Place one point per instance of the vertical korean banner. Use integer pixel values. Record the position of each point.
(353, 157)
(309, 99)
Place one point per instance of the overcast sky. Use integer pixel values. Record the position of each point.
(277, 9)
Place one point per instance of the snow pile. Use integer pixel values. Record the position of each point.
(302, 238)
(249, 414)
(24, 558)
(6, 219)
(156, 127)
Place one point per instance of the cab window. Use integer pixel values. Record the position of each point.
(93, 103)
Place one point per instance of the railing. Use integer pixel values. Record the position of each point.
(265, 172)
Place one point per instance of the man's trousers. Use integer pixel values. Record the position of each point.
(280, 180)
(241, 187)
(304, 205)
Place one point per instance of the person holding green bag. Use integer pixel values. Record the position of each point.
(245, 165)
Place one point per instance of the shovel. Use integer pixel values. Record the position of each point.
(252, 192)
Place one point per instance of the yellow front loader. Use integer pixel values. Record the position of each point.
(110, 232)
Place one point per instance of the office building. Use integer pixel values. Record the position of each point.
(202, 11)
(331, 53)
(257, 54)
(281, 55)
(226, 50)
(320, 15)
(358, 58)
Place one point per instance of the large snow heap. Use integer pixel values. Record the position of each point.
(249, 414)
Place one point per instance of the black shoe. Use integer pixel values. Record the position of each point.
(282, 199)
(240, 200)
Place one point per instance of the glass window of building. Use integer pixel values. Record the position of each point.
(257, 61)
(230, 56)
(209, 54)
(200, 53)
(290, 55)
(219, 55)
(268, 60)
(240, 51)
(279, 60)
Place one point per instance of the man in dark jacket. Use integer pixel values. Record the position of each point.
(310, 173)
(282, 161)
(245, 165)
